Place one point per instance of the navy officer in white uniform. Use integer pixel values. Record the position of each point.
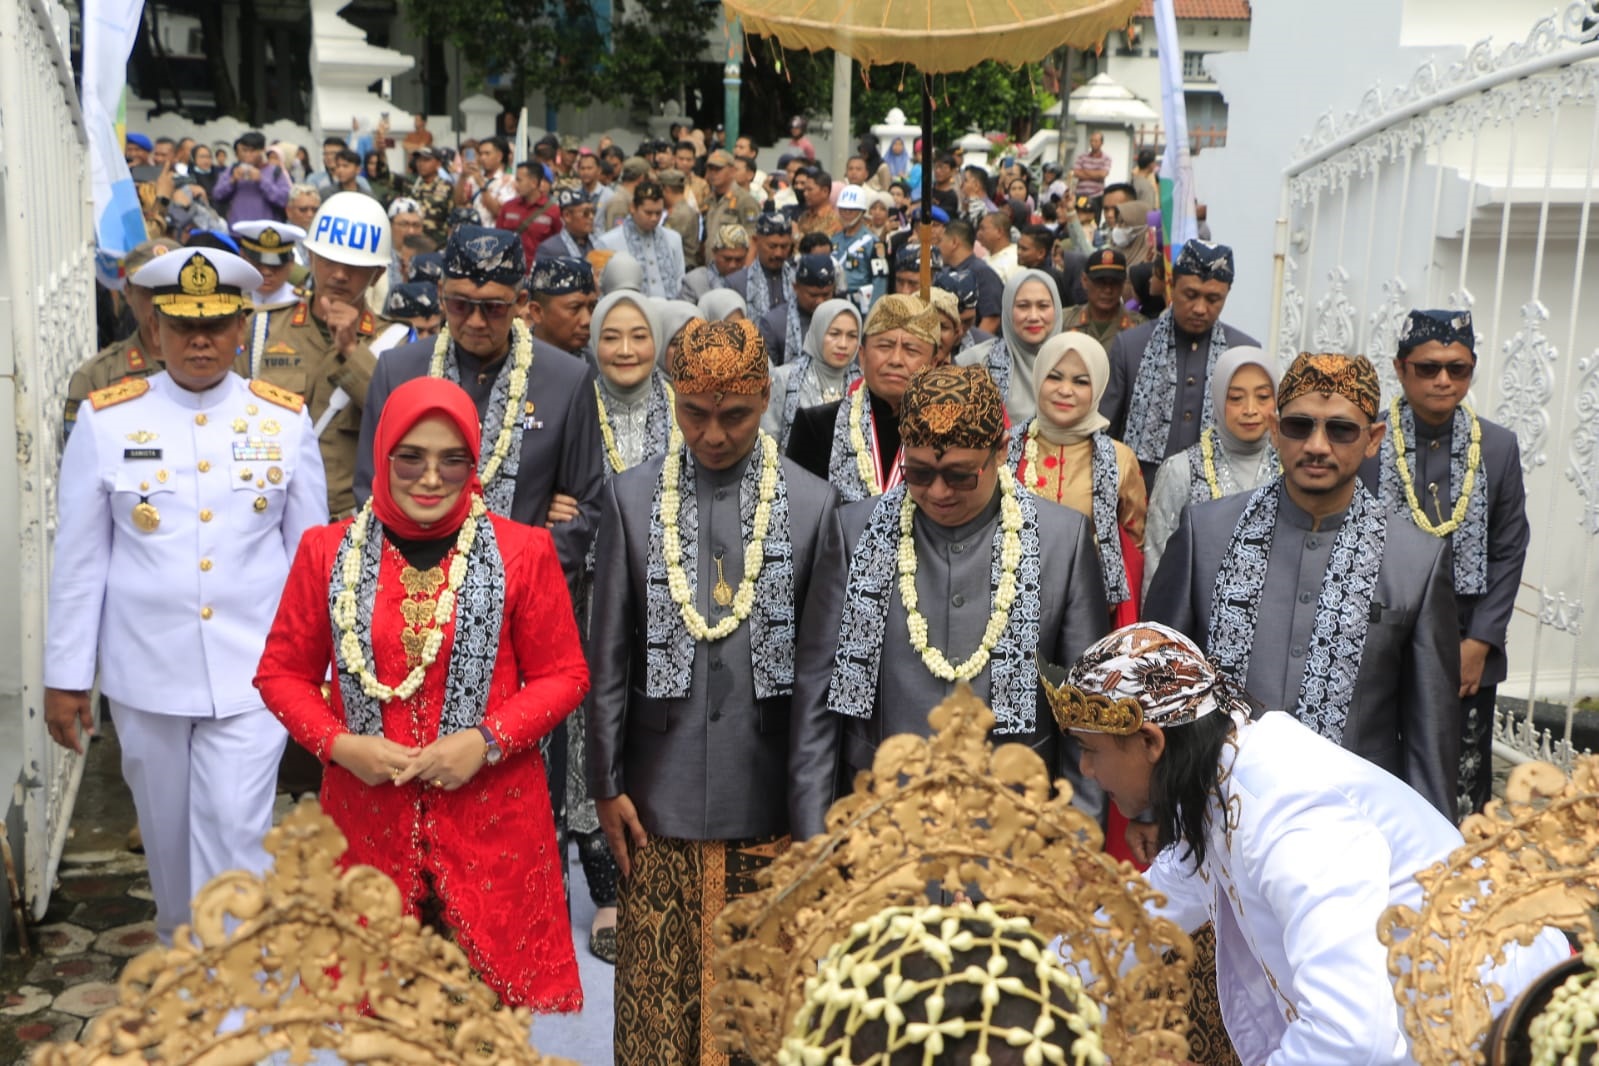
(183, 497)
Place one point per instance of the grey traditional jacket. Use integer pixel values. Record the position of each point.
(955, 594)
(561, 448)
(711, 766)
(1405, 713)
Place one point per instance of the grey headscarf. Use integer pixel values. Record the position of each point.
(719, 304)
(1221, 379)
(1021, 401)
(821, 319)
(602, 310)
(672, 316)
(621, 272)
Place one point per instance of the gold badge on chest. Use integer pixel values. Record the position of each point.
(146, 519)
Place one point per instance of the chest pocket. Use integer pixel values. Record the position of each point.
(133, 487)
(259, 486)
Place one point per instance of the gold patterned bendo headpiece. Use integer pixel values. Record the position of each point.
(952, 407)
(720, 357)
(899, 310)
(1350, 376)
(1141, 673)
(952, 811)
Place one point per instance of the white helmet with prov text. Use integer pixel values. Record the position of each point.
(351, 228)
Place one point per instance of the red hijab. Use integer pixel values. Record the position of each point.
(407, 405)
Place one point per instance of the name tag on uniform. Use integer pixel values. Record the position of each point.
(141, 453)
(879, 268)
(278, 360)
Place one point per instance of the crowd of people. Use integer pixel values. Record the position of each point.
(661, 500)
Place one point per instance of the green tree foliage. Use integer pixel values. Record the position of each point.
(559, 46)
(992, 97)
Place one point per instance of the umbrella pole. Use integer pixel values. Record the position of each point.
(927, 188)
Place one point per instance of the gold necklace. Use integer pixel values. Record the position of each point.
(1418, 513)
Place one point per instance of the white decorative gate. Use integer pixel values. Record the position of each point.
(47, 321)
(1473, 187)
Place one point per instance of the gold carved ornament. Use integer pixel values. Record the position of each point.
(1529, 862)
(318, 958)
(954, 811)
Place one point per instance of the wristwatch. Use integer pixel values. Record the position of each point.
(494, 754)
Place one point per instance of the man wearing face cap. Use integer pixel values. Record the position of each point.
(1313, 595)
(540, 432)
(855, 442)
(769, 280)
(783, 327)
(1458, 478)
(1158, 399)
(958, 574)
(183, 496)
(577, 226)
(701, 575)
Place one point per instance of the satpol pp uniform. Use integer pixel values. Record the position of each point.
(266, 242)
(179, 514)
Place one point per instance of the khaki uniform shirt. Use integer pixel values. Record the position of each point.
(124, 359)
(1076, 318)
(300, 356)
(686, 222)
(737, 208)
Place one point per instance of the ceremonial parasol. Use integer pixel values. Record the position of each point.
(936, 37)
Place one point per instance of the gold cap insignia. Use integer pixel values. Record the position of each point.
(269, 238)
(1088, 711)
(199, 278)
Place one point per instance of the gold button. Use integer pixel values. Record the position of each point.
(205, 465)
(205, 612)
(144, 486)
(205, 514)
(245, 474)
(199, 419)
(205, 564)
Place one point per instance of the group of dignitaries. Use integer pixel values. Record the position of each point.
(746, 551)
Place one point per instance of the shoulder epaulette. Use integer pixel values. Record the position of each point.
(121, 392)
(272, 394)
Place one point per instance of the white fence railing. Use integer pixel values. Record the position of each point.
(1473, 186)
(47, 314)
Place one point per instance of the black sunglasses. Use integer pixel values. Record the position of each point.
(492, 310)
(1339, 430)
(1429, 369)
(958, 480)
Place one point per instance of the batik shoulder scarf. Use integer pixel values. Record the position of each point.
(1470, 538)
(656, 256)
(1208, 457)
(874, 580)
(1149, 410)
(479, 614)
(998, 364)
(855, 452)
(791, 391)
(502, 422)
(1107, 501)
(758, 294)
(572, 250)
(1343, 611)
(794, 333)
(669, 648)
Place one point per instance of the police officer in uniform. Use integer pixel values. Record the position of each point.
(132, 357)
(183, 499)
(325, 348)
(268, 246)
(862, 253)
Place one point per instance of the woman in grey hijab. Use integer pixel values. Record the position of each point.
(828, 363)
(1233, 456)
(671, 316)
(718, 305)
(631, 390)
(1030, 317)
(622, 272)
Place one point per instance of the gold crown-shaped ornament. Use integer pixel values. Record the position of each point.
(198, 277)
(953, 812)
(313, 957)
(1089, 711)
(1529, 862)
(269, 238)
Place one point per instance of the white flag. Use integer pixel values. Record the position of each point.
(1175, 165)
(109, 29)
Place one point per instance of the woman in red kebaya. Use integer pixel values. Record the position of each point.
(454, 650)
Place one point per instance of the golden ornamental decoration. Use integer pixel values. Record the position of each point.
(270, 238)
(1092, 711)
(319, 958)
(199, 278)
(1528, 862)
(952, 810)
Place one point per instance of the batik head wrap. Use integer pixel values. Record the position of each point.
(946, 303)
(413, 299)
(409, 404)
(561, 276)
(952, 407)
(1445, 327)
(1350, 376)
(485, 256)
(1205, 261)
(1148, 670)
(1095, 362)
(730, 236)
(906, 312)
(720, 357)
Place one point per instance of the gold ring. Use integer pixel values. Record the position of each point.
(394, 775)
(438, 782)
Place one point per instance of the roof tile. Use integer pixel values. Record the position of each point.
(1201, 9)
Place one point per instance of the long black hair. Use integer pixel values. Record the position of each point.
(1184, 780)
